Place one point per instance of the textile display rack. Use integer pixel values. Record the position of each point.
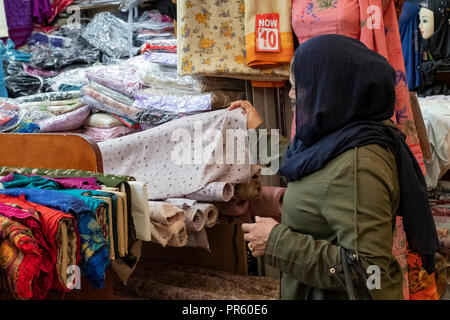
(76, 151)
(57, 151)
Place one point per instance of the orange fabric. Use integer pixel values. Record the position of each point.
(422, 286)
(258, 59)
(268, 84)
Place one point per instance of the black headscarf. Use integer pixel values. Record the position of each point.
(343, 93)
(439, 43)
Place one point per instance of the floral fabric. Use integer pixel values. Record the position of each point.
(211, 40)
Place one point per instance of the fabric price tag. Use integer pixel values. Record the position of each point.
(268, 32)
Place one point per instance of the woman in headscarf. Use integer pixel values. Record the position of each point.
(349, 173)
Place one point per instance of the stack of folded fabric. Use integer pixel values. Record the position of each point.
(52, 112)
(112, 87)
(171, 93)
(70, 218)
(152, 25)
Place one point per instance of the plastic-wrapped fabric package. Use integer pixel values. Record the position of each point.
(112, 93)
(154, 20)
(10, 116)
(50, 96)
(74, 78)
(125, 111)
(155, 118)
(52, 58)
(68, 121)
(102, 120)
(109, 34)
(155, 74)
(23, 85)
(178, 101)
(102, 134)
(160, 45)
(123, 78)
(41, 73)
(162, 58)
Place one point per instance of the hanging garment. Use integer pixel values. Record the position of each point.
(20, 258)
(150, 154)
(378, 33)
(411, 43)
(275, 12)
(19, 16)
(94, 249)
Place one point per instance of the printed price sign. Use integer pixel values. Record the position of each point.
(268, 32)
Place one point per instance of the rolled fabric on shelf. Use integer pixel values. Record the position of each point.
(251, 189)
(195, 220)
(269, 204)
(235, 207)
(165, 213)
(214, 191)
(174, 235)
(210, 213)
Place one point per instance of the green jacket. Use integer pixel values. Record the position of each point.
(351, 203)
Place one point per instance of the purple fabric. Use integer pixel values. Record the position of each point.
(66, 183)
(42, 11)
(8, 178)
(77, 183)
(68, 121)
(14, 212)
(19, 17)
(42, 73)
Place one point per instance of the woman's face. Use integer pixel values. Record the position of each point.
(292, 91)
(426, 25)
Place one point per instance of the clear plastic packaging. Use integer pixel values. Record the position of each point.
(153, 74)
(23, 85)
(154, 118)
(75, 78)
(109, 34)
(67, 121)
(182, 101)
(162, 58)
(123, 77)
(119, 109)
(56, 59)
(112, 93)
(155, 21)
(10, 116)
(102, 120)
(160, 45)
(50, 96)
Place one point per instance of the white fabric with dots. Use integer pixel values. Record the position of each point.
(148, 155)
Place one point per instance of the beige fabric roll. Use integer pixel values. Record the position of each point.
(165, 213)
(195, 219)
(214, 191)
(174, 235)
(210, 213)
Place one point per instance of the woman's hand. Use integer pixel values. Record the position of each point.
(253, 119)
(257, 234)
